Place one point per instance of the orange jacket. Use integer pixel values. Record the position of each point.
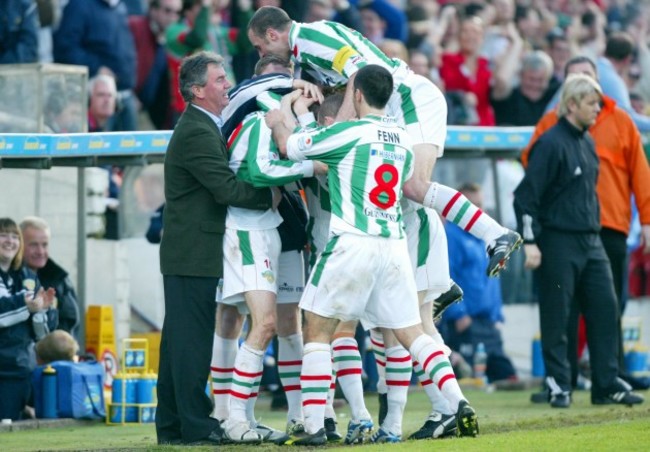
(623, 165)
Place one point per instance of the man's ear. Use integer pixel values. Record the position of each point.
(272, 34)
(197, 91)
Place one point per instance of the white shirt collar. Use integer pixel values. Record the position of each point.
(217, 119)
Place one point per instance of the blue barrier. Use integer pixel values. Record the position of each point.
(144, 143)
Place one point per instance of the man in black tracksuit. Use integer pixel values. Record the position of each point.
(558, 216)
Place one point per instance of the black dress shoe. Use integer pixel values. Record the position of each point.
(561, 400)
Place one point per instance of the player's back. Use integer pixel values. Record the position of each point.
(369, 160)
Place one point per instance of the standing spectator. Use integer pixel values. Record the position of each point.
(96, 34)
(559, 49)
(525, 104)
(387, 16)
(623, 172)
(558, 213)
(18, 32)
(25, 317)
(468, 72)
(36, 235)
(611, 67)
(496, 40)
(478, 317)
(101, 103)
(152, 84)
(199, 187)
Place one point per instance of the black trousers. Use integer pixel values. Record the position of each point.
(615, 244)
(575, 271)
(185, 352)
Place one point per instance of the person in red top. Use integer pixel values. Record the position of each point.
(468, 72)
(624, 171)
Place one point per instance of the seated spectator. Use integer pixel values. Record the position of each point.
(394, 49)
(36, 236)
(102, 101)
(18, 32)
(525, 104)
(25, 317)
(478, 317)
(560, 51)
(56, 346)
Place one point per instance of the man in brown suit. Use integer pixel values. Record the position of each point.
(198, 187)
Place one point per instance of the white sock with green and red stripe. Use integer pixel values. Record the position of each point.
(289, 364)
(315, 381)
(252, 399)
(246, 376)
(438, 402)
(398, 378)
(224, 353)
(378, 349)
(347, 364)
(437, 366)
(329, 406)
(455, 207)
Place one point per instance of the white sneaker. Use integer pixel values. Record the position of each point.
(240, 432)
(269, 434)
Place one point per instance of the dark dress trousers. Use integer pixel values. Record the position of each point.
(198, 188)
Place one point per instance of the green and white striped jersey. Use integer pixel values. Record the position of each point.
(369, 160)
(332, 53)
(254, 158)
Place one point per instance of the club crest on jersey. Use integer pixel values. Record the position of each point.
(305, 143)
(269, 276)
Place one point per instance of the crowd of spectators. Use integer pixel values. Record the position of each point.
(499, 62)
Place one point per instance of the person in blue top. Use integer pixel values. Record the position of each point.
(18, 32)
(477, 318)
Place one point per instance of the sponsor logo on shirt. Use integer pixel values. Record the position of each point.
(388, 155)
(269, 276)
(379, 214)
(305, 143)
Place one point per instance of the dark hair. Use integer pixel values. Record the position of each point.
(375, 83)
(330, 106)
(194, 72)
(268, 17)
(578, 60)
(619, 46)
(269, 59)
(8, 225)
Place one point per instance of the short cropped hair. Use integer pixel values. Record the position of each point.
(375, 83)
(579, 60)
(194, 72)
(576, 87)
(108, 79)
(268, 17)
(620, 45)
(59, 345)
(330, 107)
(9, 226)
(269, 59)
(35, 223)
(536, 60)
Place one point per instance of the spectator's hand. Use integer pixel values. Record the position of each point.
(245, 5)
(463, 323)
(320, 168)
(645, 238)
(34, 301)
(48, 298)
(277, 197)
(533, 256)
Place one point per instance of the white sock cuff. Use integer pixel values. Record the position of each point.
(431, 195)
(223, 343)
(395, 350)
(419, 344)
(248, 348)
(316, 347)
(345, 340)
